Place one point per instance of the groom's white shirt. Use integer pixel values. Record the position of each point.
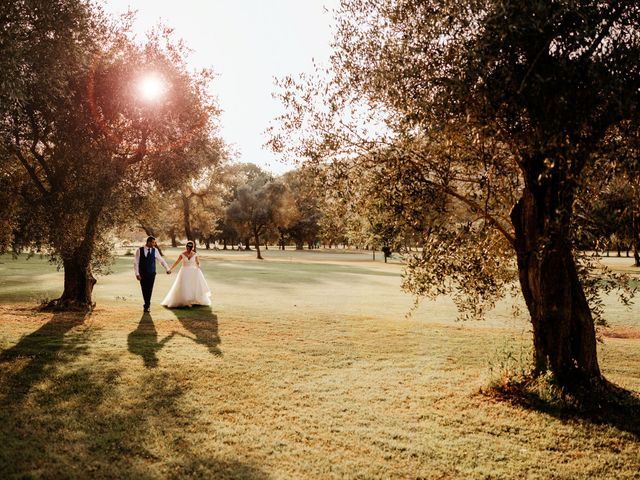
(136, 261)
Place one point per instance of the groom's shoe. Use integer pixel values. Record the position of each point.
(146, 309)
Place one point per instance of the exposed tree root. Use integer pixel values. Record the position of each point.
(66, 305)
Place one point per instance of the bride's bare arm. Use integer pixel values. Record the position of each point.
(198, 260)
(176, 262)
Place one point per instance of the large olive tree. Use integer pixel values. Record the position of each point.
(82, 133)
(501, 105)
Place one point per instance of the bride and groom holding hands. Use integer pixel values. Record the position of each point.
(189, 288)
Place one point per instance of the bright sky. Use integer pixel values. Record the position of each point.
(247, 43)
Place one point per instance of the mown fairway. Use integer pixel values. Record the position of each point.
(304, 367)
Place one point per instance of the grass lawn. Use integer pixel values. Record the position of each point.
(305, 366)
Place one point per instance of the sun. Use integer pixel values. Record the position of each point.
(152, 87)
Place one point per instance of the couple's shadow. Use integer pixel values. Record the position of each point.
(200, 322)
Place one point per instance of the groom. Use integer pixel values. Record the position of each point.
(145, 267)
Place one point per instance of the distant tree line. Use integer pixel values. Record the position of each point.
(240, 205)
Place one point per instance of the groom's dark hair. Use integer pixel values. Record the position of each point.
(150, 239)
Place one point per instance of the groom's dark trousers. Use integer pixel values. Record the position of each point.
(146, 282)
(147, 269)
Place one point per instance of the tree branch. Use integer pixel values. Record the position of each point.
(477, 208)
(545, 48)
(36, 138)
(470, 203)
(31, 171)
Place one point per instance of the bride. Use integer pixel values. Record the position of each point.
(190, 287)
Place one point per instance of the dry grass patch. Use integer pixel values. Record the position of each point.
(199, 394)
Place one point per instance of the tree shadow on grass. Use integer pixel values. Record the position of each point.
(88, 424)
(40, 352)
(87, 419)
(202, 323)
(607, 405)
(143, 341)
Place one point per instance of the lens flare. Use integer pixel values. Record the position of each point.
(152, 87)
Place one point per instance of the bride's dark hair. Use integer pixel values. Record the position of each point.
(191, 244)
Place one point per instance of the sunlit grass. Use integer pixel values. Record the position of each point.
(305, 367)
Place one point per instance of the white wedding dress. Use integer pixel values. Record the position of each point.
(190, 287)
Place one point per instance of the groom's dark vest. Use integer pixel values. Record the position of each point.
(147, 264)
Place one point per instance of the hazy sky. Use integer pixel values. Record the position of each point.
(247, 43)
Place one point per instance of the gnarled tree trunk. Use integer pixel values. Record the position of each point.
(78, 278)
(563, 327)
(78, 285)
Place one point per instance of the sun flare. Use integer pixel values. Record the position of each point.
(152, 87)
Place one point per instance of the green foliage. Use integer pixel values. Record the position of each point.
(608, 204)
(510, 365)
(473, 266)
(478, 123)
